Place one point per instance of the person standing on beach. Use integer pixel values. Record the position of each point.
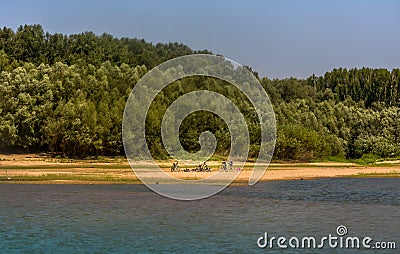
(230, 165)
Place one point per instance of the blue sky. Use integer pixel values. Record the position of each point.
(277, 38)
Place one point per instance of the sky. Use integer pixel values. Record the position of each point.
(278, 39)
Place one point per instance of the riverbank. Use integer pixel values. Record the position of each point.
(43, 169)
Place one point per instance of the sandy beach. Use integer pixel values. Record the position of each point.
(43, 169)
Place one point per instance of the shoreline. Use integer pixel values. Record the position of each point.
(37, 169)
(236, 182)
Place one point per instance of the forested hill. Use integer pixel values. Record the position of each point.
(31, 44)
(66, 94)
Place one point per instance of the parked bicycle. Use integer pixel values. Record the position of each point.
(203, 167)
(175, 167)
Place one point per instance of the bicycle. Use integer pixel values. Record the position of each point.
(175, 167)
(225, 167)
(203, 168)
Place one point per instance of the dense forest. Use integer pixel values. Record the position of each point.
(66, 95)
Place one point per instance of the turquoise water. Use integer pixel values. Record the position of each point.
(132, 219)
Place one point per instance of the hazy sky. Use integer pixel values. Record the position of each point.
(277, 38)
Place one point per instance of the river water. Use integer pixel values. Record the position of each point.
(133, 219)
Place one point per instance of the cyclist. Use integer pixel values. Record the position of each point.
(223, 168)
(230, 165)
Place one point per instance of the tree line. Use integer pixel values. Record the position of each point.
(66, 94)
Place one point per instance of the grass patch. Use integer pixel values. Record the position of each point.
(393, 174)
(366, 159)
(335, 159)
(67, 177)
(64, 166)
(305, 165)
